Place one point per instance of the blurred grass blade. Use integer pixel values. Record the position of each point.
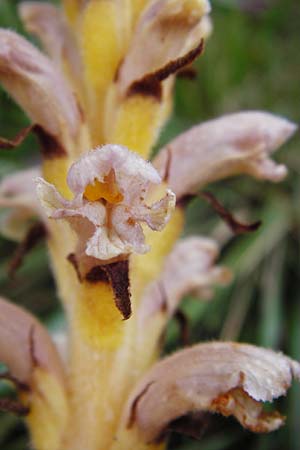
(237, 312)
(270, 303)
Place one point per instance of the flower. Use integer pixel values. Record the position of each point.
(189, 268)
(36, 370)
(223, 377)
(107, 84)
(239, 143)
(110, 185)
(39, 87)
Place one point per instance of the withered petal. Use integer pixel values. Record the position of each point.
(223, 377)
(234, 144)
(117, 273)
(25, 343)
(38, 86)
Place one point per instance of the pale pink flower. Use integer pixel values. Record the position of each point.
(25, 343)
(223, 377)
(18, 196)
(110, 185)
(234, 144)
(189, 268)
(166, 30)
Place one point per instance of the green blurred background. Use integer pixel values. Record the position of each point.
(251, 62)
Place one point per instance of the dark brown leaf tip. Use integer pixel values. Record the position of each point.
(150, 84)
(185, 200)
(34, 235)
(97, 274)
(236, 226)
(50, 146)
(117, 275)
(187, 73)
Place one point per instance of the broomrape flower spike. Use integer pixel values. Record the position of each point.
(107, 84)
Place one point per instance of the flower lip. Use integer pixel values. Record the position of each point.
(112, 161)
(110, 185)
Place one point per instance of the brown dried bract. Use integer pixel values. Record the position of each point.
(236, 226)
(150, 84)
(117, 274)
(50, 146)
(188, 73)
(36, 233)
(97, 274)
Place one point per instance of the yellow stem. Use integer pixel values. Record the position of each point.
(105, 360)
